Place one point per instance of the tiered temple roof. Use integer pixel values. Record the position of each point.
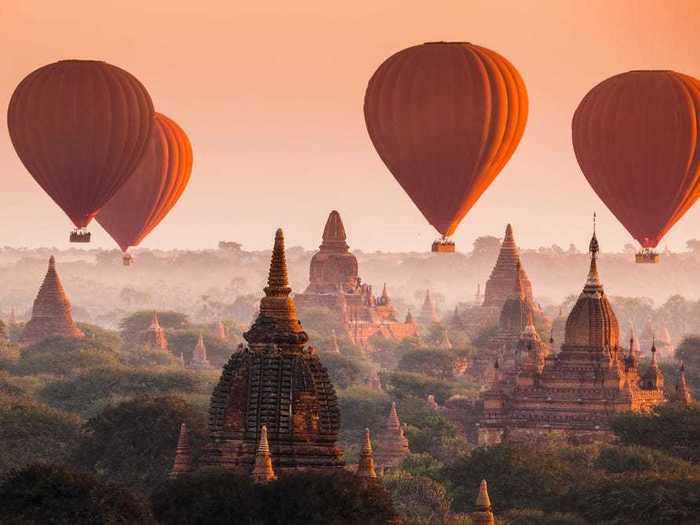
(279, 382)
(154, 336)
(392, 444)
(183, 455)
(51, 314)
(199, 356)
(500, 283)
(482, 514)
(365, 465)
(578, 390)
(334, 283)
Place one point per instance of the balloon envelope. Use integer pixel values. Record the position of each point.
(636, 139)
(153, 189)
(445, 118)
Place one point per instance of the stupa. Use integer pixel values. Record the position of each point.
(153, 338)
(51, 313)
(334, 283)
(482, 514)
(428, 313)
(263, 471)
(199, 356)
(183, 455)
(577, 391)
(221, 332)
(365, 465)
(276, 381)
(682, 393)
(392, 445)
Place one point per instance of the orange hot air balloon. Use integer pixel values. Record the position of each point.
(153, 189)
(445, 117)
(636, 139)
(80, 127)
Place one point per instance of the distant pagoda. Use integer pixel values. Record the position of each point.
(682, 393)
(221, 332)
(51, 314)
(392, 445)
(276, 381)
(482, 514)
(263, 472)
(153, 337)
(183, 455)
(334, 283)
(428, 313)
(365, 465)
(199, 359)
(508, 265)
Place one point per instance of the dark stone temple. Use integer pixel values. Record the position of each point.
(276, 380)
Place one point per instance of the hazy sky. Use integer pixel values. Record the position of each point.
(271, 97)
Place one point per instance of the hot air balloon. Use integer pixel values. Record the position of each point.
(152, 190)
(80, 127)
(445, 117)
(636, 139)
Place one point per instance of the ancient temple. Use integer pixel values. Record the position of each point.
(392, 444)
(276, 381)
(365, 465)
(51, 313)
(508, 266)
(221, 331)
(482, 514)
(682, 393)
(199, 359)
(428, 313)
(153, 338)
(573, 393)
(263, 471)
(334, 283)
(183, 455)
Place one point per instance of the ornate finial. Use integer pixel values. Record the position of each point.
(365, 466)
(263, 471)
(593, 247)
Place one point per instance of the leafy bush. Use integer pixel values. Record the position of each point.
(345, 371)
(401, 385)
(65, 355)
(418, 499)
(436, 363)
(633, 459)
(55, 495)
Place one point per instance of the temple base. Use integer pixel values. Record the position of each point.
(647, 256)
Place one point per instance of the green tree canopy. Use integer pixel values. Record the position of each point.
(133, 326)
(65, 355)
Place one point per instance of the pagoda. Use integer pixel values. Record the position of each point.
(392, 445)
(482, 514)
(428, 313)
(183, 455)
(276, 381)
(153, 338)
(576, 392)
(199, 356)
(365, 465)
(682, 393)
(221, 331)
(51, 313)
(263, 472)
(334, 283)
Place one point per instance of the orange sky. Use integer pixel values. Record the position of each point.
(271, 98)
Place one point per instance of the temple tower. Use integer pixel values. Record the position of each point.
(154, 336)
(516, 313)
(392, 445)
(365, 465)
(262, 470)
(333, 267)
(683, 394)
(221, 330)
(183, 455)
(199, 356)
(482, 514)
(653, 378)
(51, 314)
(278, 382)
(500, 283)
(428, 313)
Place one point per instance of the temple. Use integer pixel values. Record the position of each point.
(183, 455)
(334, 283)
(263, 471)
(276, 381)
(153, 338)
(392, 444)
(428, 313)
(365, 465)
(682, 393)
(51, 313)
(199, 356)
(482, 514)
(576, 392)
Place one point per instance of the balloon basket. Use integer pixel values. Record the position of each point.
(127, 259)
(647, 256)
(443, 246)
(80, 236)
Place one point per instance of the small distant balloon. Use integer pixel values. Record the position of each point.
(635, 136)
(445, 117)
(153, 189)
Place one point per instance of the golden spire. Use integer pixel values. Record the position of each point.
(365, 466)
(593, 284)
(277, 303)
(263, 471)
(482, 514)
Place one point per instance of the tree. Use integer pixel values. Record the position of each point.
(133, 443)
(50, 494)
(486, 247)
(401, 385)
(420, 499)
(688, 352)
(183, 342)
(345, 371)
(31, 432)
(133, 326)
(64, 355)
(436, 363)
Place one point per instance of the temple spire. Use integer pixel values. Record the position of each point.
(334, 236)
(365, 465)
(221, 330)
(593, 284)
(199, 355)
(263, 471)
(683, 394)
(392, 445)
(482, 514)
(183, 455)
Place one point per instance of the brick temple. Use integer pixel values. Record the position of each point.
(51, 313)
(575, 392)
(276, 380)
(334, 283)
